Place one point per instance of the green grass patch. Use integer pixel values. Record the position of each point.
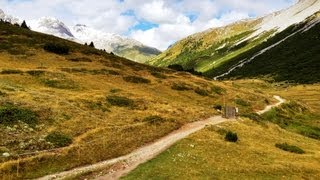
(290, 148)
(294, 117)
(11, 114)
(58, 139)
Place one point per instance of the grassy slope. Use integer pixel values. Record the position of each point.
(201, 50)
(138, 54)
(206, 155)
(295, 60)
(69, 92)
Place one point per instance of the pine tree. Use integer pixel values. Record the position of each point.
(91, 44)
(24, 25)
(86, 44)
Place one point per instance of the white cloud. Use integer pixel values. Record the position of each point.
(170, 15)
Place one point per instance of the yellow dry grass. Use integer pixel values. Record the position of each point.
(206, 155)
(79, 109)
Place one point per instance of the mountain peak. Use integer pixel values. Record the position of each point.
(53, 26)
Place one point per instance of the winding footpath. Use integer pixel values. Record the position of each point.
(124, 164)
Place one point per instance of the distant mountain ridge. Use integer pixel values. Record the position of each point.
(122, 46)
(217, 51)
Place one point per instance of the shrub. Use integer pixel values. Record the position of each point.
(218, 90)
(176, 67)
(253, 116)
(35, 72)
(201, 92)
(80, 59)
(10, 114)
(180, 87)
(231, 137)
(58, 139)
(242, 102)
(136, 79)
(60, 84)
(158, 75)
(120, 101)
(290, 148)
(56, 48)
(11, 71)
(154, 119)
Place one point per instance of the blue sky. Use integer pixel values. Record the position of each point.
(156, 23)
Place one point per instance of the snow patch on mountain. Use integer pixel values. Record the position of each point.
(108, 41)
(8, 18)
(52, 26)
(283, 19)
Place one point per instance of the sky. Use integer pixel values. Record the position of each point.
(156, 23)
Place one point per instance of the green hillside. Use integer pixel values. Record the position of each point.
(296, 60)
(218, 51)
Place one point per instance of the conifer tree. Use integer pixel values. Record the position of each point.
(91, 44)
(24, 25)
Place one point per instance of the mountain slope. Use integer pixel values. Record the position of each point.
(216, 51)
(65, 105)
(292, 55)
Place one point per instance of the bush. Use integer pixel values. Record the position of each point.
(290, 148)
(60, 84)
(80, 59)
(136, 79)
(154, 119)
(11, 71)
(158, 75)
(10, 114)
(120, 101)
(176, 67)
(56, 48)
(231, 137)
(180, 87)
(35, 72)
(253, 116)
(58, 139)
(201, 92)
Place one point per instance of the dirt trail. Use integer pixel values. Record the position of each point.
(124, 164)
(268, 108)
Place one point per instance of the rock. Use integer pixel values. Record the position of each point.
(6, 154)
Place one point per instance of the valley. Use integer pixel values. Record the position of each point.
(119, 109)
